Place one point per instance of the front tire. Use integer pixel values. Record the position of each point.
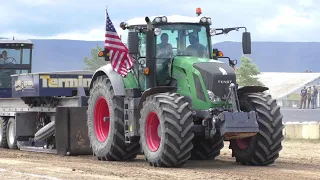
(106, 123)
(262, 149)
(166, 130)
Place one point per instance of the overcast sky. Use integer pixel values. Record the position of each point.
(267, 20)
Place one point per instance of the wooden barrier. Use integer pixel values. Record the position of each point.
(305, 130)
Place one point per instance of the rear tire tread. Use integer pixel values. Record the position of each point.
(4, 142)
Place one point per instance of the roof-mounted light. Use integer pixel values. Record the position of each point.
(205, 20)
(198, 11)
(123, 25)
(162, 19)
(209, 20)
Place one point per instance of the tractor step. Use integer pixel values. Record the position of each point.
(131, 114)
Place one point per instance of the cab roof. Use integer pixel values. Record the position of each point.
(7, 41)
(170, 19)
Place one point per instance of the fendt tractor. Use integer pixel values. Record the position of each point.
(179, 102)
(30, 118)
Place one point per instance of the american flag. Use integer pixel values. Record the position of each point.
(120, 58)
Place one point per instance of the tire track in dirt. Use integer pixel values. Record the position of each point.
(298, 160)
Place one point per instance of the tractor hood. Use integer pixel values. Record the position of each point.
(216, 76)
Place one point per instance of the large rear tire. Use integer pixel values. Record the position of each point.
(106, 123)
(206, 149)
(262, 149)
(3, 132)
(166, 130)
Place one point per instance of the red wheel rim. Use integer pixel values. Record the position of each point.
(101, 127)
(152, 137)
(243, 143)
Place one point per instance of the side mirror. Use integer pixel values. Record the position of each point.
(234, 62)
(246, 43)
(133, 43)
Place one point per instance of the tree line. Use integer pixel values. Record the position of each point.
(246, 73)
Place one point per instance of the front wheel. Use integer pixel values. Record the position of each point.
(166, 130)
(262, 149)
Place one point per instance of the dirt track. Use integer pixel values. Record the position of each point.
(299, 160)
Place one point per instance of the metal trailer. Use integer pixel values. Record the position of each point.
(41, 112)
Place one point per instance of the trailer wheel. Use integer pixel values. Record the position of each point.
(206, 149)
(11, 133)
(3, 132)
(45, 132)
(106, 123)
(262, 149)
(166, 130)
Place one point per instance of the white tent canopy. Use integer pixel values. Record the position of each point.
(282, 83)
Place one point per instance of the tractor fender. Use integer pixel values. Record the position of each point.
(251, 89)
(155, 90)
(115, 78)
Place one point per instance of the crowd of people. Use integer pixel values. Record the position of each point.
(309, 97)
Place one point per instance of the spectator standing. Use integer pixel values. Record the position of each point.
(303, 97)
(314, 97)
(308, 97)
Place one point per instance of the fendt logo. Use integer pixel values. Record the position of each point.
(223, 71)
(224, 81)
(48, 82)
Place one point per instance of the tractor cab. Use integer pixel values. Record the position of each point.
(15, 58)
(160, 43)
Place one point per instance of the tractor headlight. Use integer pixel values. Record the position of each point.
(205, 20)
(209, 20)
(212, 32)
(213, 97)
(157, 31)
(162, 19)
(157, 20)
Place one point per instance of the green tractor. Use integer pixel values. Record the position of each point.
(178, 102)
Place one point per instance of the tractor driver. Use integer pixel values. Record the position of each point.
(3, 57)
(164, 55)
(195, 48)
(164, 49)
